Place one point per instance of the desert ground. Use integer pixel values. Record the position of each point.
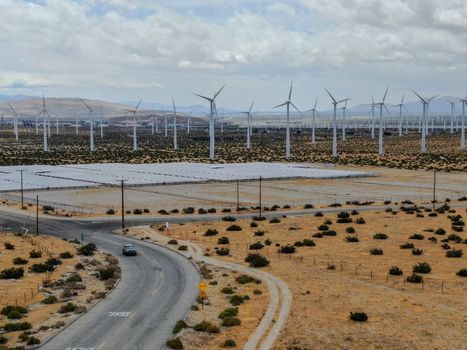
(336, 277)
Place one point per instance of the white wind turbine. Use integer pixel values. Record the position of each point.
(373, 105)
(135, 137)
(400, 105)
(15, 121)
(425, 102)
(344, 111)
(188, 123)
(212, 110)
(334, 123)
(381, 133)
(248, 125)
(175, 140)
(91, 126)
(464, 102)
(288, 103)
(313, 123)
(44, 111)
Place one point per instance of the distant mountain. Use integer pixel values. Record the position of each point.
(194, 109)
(14, 97)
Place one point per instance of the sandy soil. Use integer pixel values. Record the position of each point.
(250, 312)
(401, 315)
(29, 291)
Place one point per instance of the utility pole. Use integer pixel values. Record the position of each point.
(238, 197)
(37, 215)
(434, 189)
(123, 205)
(260, 204)
(22, 192)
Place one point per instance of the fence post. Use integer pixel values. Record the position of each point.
(442, 287)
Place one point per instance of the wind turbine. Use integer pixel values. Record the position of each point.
(313, 125)
(287, 103)
(91, 126)
(400, 105)
(102, 123)
(344, 110)
(425, 102)
(188, 122)
(381, 134)
(373, 105)
(44, 111)
(175, 125)
(135, 140)
(212, 110)
(464, 102)
(15, 121)
(334, 122)
(248, 125)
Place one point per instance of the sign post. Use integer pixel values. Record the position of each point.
(202, 286)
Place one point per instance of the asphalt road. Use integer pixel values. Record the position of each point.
(157, 288)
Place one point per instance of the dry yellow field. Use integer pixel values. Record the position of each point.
(401, 315)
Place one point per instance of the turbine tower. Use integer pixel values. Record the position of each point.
(15, 121)
(135, 139)
(91, 126)
(381, 134)
(248, 125)
(464, 102)
(44, 111)
(313, 123)
(344, 111)
(425, 102)
(175, 125)
(400, 105)
(288, 103)
(212, 110)
(334, 123)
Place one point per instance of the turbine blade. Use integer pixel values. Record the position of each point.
(251, 106)
(218, 92)
(344, 100)
(282, 104)
(206, 98)
(420, 97)
(290, 91)
(403, 96)
(296, 108)
(136, 108)
(9, 104)
(386, 108)
(333, 99)
(385, 94)
(87, 106)
(316, 102)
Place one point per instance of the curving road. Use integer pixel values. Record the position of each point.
(157, 288)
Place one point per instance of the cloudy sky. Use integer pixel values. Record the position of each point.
(158, 49)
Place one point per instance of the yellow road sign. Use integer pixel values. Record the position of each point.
(203, 294)
(202, 286)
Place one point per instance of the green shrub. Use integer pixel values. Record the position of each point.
(323, 227)
(212, 210)
(53, 262)
(106, 273)
(234, 228)
(462, 273)
(287, 249)
(11, 308)
(329, 233)
(9, 246)
(317, 235)
(74, 278)
(256, 246)
(417, 251)
(256, 260)
(14, 315)
(223, 251)
(440, 231)
(175, 344)
(3, 340)
(358, 316)
(33, 341)
(201, 327)
(210, 232)
(350, 230)
(87, 250)
(34, 254)
(455, 253)
(227, 290)
(68, 307)
(65, 255)
(20, 261)
(360, 221)
(350, 239)
(229, 218)
(380, 236)
(202, 211)
(274, 220)
(110, 211)
(41, 268)
(229, 343)
(172, 242)
(308, 206)
(12, 273)
(236, 300)
(376, 251)
(455, 238)
(414, 278)
(417, 236)
(188, 210)
(308, 242)
(230, 322)
(179, 326)
(319, 214)
(244, 279)
(18, 326)
(229, 312)
(223, 240)
(259, 233)
(51, 299)
(253, 224)
(422, 267)
(407, 246)
(395, 271)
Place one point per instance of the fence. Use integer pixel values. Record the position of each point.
(56, 205)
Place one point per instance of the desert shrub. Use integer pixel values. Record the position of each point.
(65, 255)
(256, 246)
(137, 211)
(223, 251)
(183, 247)
(18, 326)
(253, 224)
(202, 211)
(243, 279)
(79, 266)
(323, 227)
(227, 290)
(327, 222)
(223, 240)
(422, 267)
(51, 299)
(41, 268)
(350, 230)
(12, 308)
(34, 254)
(455, 238)
(329, 233)
(256, 260)
(12, 273)
(172, 242)
(414, 278)
(230, 321)
(319, 214)
(258, 218)
(350, 239)
(462, 273)
(234, 228)
(455, 253)
(380, 236)
(229, 343)
(417, 236)
(317, 235)
(458, 228)
(259, 233)
(417, 251)
(440, 231)
(53, 262)
(106, 273)
(229, 312)
(20, 261)
(212, 210)
(236, 300)
(358, 316)
(433, 239)
(68, 307)
(229, 219)
(33, 341)
(73, 278)
(395, 271)
(407, 246)
(298, 244)
(9, 246)
(3, 340)
(201, 327)
(445, 246)
(308, 242)
(308, 206)
(179, 326)
(175, 344)
(226, 210)
(360, 221)
(268, 242)
(376, 251)
(335, 205)
(286, 249)
(87, 250)
(274, 220)
(188, 210)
